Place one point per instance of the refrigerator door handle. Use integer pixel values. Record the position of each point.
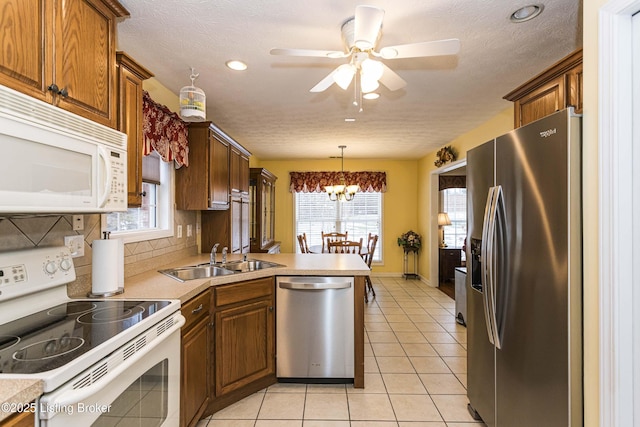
(497, 204)
(487, 260)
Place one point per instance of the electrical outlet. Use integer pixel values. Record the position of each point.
(179, 232)
(78, 222)
(189, 230)
(75, 244)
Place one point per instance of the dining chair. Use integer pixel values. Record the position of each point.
(345, 247)
(333, 236)
(302, 241)
(372, 241)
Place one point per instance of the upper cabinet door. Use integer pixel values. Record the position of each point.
(85, 59)
(26, 27)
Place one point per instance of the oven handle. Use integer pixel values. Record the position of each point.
(75, 396)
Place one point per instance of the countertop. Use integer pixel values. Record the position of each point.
(154, 285)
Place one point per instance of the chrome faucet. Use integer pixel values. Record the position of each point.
(244, 257)
(224, 254)
(212, 258)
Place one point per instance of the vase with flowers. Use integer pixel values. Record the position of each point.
(410, 241)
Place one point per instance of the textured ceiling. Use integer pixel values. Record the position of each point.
(269, 109)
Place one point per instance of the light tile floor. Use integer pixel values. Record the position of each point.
(415, 372)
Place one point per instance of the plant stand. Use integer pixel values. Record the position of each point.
(414, 273)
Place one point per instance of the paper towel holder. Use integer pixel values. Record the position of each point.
(118, 291)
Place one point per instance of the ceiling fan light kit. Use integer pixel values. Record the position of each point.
(360, 36)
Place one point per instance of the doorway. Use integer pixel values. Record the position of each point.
(444, 259)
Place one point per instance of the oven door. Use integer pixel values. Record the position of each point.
(143, 389)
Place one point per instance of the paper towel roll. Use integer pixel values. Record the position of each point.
(105, 271)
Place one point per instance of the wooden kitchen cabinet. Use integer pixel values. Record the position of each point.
(231, 227)
(20, 419)
(553, 90)
(244, 319)
(63, 52)
(204, 184)
(130, 120)
(239, 169)
(450, 258)
(196, 359)
(262, 211)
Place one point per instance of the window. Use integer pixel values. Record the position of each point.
(154, 219)
(454, 203)
(315, 213)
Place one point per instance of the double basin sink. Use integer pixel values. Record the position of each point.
(203, 271)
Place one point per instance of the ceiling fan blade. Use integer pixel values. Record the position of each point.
(310, 52)
(368, 21)
(324, 83)
(414, 50)
(391, 79)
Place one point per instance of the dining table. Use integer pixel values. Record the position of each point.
(317, 249)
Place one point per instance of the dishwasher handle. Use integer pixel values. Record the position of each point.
(318, 286)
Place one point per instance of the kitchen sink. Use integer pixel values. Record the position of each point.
(248, 265)
(183, 274)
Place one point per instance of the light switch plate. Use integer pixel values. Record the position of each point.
(189, 230)
(179, 232)
(78, 222)
(75, 244)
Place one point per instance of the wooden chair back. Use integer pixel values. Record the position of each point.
(302, 241)
(372, 241)
(345, 247)
(332, 237)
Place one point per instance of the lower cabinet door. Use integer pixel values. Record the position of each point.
(195, 384)
(244, 345)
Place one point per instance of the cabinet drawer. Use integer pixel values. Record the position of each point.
(195, 309)
(243, 291)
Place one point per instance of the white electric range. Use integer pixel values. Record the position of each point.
(102, 361)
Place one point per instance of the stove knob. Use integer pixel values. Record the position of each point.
(50, 267)
(65, 264)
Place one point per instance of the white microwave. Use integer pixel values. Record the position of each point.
(55, 161)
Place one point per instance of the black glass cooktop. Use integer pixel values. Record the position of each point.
(51, 338)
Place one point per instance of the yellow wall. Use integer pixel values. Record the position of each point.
(399, 202)
(496, 126)
(160, 94)
(590, 217)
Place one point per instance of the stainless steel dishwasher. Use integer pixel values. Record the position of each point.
(314, 329)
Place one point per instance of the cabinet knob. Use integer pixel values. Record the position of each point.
(271, 308)
(143, 194)
(53, 88)
(63, 92)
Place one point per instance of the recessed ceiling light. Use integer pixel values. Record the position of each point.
(236, 65)
(371, 95)
(526, 13)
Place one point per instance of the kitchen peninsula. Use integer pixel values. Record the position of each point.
(229, 293)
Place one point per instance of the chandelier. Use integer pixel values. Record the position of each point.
(341, 191)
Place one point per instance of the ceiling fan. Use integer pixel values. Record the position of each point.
(360, 35)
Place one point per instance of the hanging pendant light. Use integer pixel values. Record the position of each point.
(341, 191)
(193, 101)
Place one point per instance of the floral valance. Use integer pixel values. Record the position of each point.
(164, 132)
(314, 182)
(452, 181)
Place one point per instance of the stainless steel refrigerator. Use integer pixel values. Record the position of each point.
(524, 311)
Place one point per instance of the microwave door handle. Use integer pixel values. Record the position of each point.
(72, 397)
(103, 155)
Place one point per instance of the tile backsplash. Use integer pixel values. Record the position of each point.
(38, 231)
